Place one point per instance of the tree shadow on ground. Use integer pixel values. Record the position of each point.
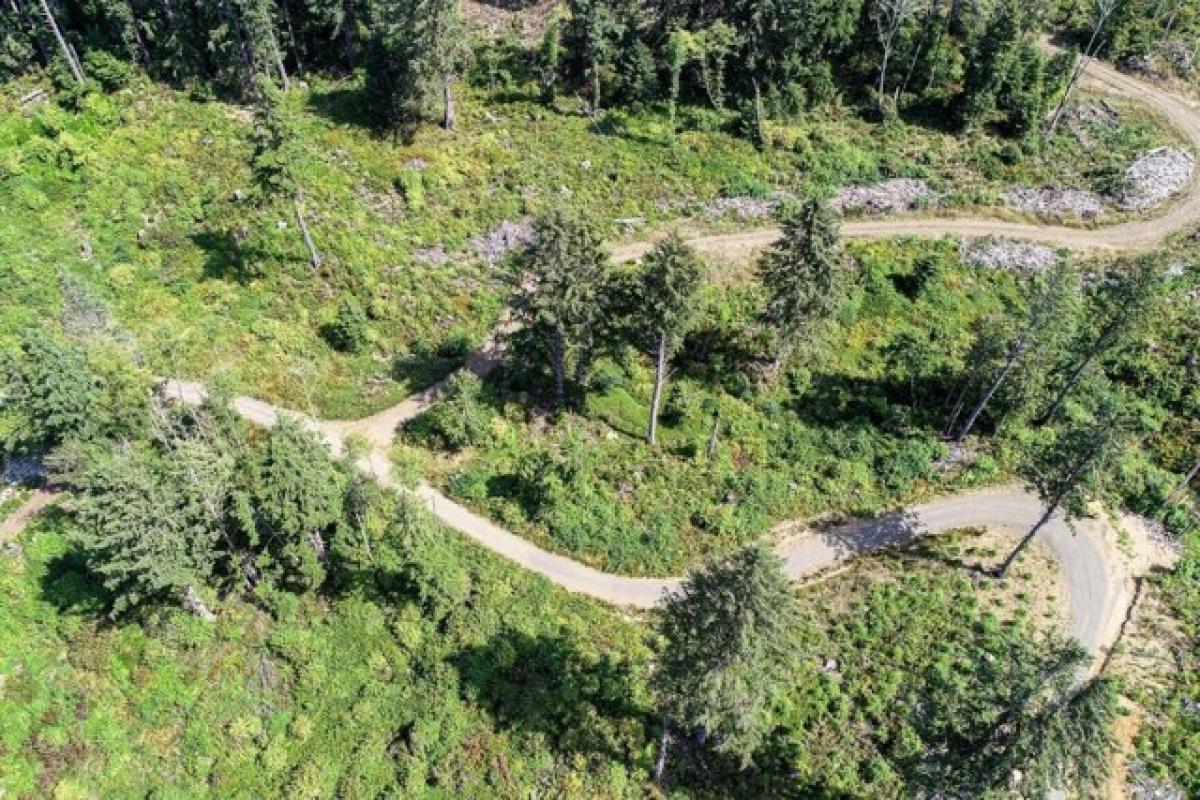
(72, 588)
(344, 105)
(544, 685)
(225, 258)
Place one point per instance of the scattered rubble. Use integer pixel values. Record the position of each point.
(889, 197)
(1084, 118)
(508, 236)
(1056, 201)
(432, 256)
(1154, 177)
(1006, 254)
(744, 208)
(1142, 786)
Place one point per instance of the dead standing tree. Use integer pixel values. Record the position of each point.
(1102, 11)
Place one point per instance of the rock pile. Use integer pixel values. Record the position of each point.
(743, 208)
(1153, 178)
(1056, 201)
(507, 237)
(889, 197)
(1007, 254)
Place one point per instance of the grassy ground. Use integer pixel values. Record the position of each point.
(136, 213)
(853, 432)
(519, 690)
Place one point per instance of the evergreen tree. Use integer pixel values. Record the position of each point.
(593, 33)
(296, 502)
(561, 303)
(418, 50)
(729, 641)
(804, 277)
(1072, 466)
(279, 157)
(1036, 343)
(48, 393)
(1134, 299)
(145, 539)
(670, 281)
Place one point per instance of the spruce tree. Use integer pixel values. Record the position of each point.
(561, 301)
(279, 159)
(670, 281)
(729, 642)
(296, 497)
(804, 276)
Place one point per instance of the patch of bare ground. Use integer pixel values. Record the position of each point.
(1145, 661)
(526, 18)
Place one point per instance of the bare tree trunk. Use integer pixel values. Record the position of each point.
(660, 763)
(68, 53)
(194, 605)
(660, 377)
(1179, 488)
(713, 437)
(314, 256)
(1026, 540)
(1104, 9)
(450, 121)
(595, 91)
(1013, 357)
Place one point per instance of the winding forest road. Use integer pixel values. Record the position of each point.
(1100, 579)
(1183, 214)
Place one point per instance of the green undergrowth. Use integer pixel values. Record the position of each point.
(853, 431)
(136, 213)
(519, 690)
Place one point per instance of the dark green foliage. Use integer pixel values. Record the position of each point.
(48, 393)
(460, 419)
(347, 331)
(417, 51)
(561, 302)
(804, 276)
(729, 648)
(296, 497)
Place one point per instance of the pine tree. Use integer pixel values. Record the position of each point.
(48, 393)
(593, 33)
(561, 303)
(417, 52)
(1053, 316)
(670, 281)
(729, 641)
(139, 533)
(804, 276)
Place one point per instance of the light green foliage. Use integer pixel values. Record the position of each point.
(729, 645)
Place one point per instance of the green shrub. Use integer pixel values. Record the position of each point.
(348, 330)
(107, 70)
(461, 419)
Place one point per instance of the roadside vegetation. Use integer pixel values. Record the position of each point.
(330, 204)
